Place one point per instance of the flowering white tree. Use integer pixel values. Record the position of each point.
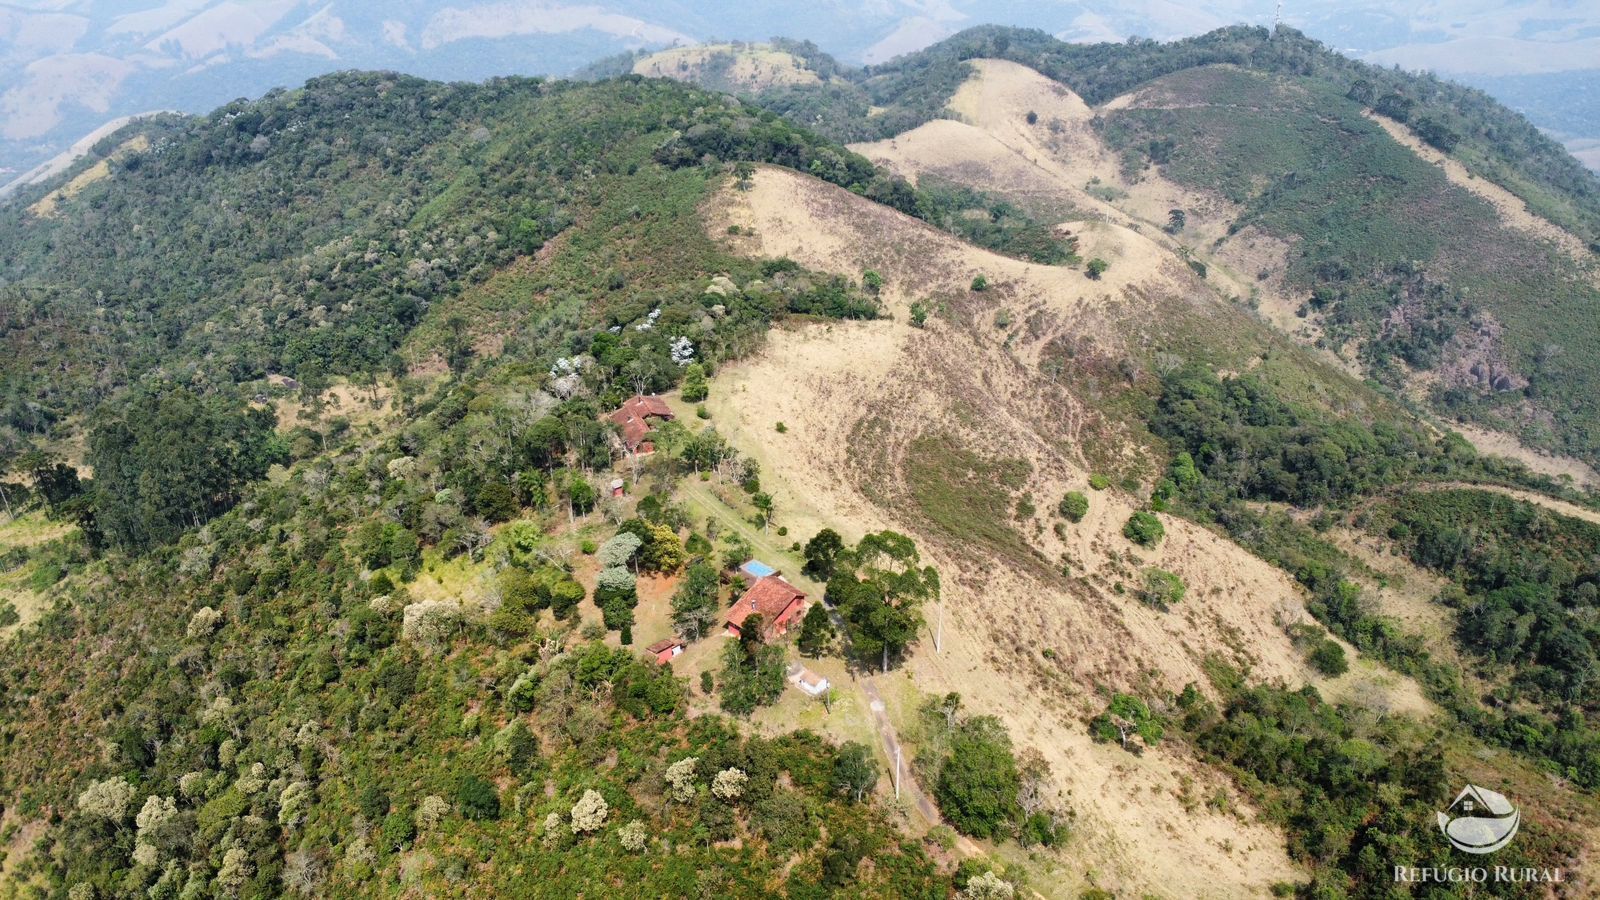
(107, 799)
(431, 811)
(988, 886)
(617, 551)
(729, 784)
(633, 836)
(589, 813)
(430, 623)
(204, 621)
(680, 775)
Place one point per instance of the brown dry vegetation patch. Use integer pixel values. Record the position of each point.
(1058, 166)
(359, 404)
(869, 405)
(752, 67)
(1498, 443)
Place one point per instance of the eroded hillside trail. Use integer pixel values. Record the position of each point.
(917, 798)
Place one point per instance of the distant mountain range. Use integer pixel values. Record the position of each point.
(69, 66)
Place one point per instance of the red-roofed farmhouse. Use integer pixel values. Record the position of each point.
(633, 420)
(778, 602)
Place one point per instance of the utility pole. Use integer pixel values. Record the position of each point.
(897, 770)
(938, 630)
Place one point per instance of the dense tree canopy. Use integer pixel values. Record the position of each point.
(169, 460)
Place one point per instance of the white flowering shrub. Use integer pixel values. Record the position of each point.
(107, 799)
(430, 623)
(294, 803)
(157, 813)
(729, 784)
(219, 712)
(252, 781)
(192, 784)
(682, 350)
(680, 778)
(195, 561)
(235, 871)
(431, 811)
(589, 813)
(988, 886)
(204, 621)
(555, 830)
(401, 466)
(633, 836)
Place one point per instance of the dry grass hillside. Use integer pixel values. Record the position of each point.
(1057, 165)
(742, 67)
(1057, 162)
(955, 434)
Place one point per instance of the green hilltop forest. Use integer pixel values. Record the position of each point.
(235, 658)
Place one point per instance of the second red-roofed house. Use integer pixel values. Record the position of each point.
(777, 601)
(633, 421)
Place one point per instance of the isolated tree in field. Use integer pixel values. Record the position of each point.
(1074, 506)
(855, 772)
(764, 506)
(816, 631)
(1162, 589)
(695, 388)
(1095, 268)
(822, 553)
(1176, 219)
(744, 170)
(1143, 529)
(694, 607)
(872, 282)
(880, 593)
(1127, 717)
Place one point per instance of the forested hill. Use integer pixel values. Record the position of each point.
(310, 232)
(215, 683)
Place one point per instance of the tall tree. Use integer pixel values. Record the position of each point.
(694, 606)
